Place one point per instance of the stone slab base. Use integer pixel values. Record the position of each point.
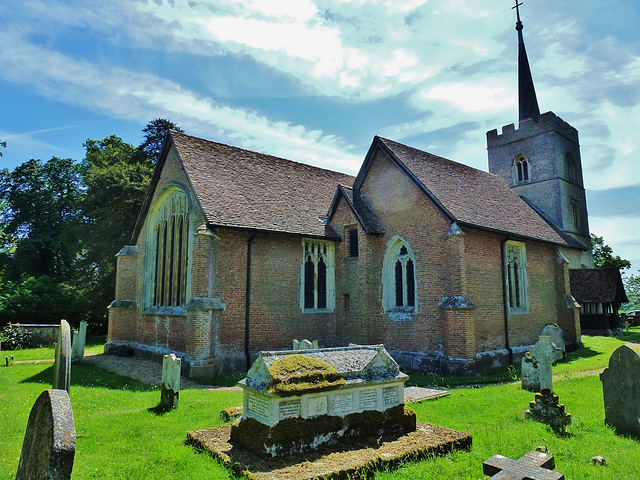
(353, 461)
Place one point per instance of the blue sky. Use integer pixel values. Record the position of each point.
(314, 81)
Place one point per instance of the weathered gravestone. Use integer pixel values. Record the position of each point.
(79, 341)
(62, 367)
(536, 365)
(50, 440)
(305, 344)
(170, 387)
(557, 336)
(531, 466)
(621, 388)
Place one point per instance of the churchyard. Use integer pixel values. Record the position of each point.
(121, 433)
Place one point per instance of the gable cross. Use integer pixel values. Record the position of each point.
(531, 466)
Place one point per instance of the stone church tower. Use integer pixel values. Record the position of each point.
(540, 161)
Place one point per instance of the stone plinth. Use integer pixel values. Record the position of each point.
(546, 409)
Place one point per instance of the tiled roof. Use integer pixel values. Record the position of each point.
(597, 285)
(349, 362)
(470, 196)
(359, 205)
(241, 188)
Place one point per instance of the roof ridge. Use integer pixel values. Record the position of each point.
(261, 154)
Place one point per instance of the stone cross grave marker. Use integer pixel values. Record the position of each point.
(170, 388)
(62, 367)
(50, 440)
(531, 466)
(79, 340)
(537, 373)
(621, 385)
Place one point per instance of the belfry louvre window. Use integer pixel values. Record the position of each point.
(522, 169)
(399, 283)
(318, 272)
(171, 251)
(516, 277)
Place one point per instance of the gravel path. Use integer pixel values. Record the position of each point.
(146, 371)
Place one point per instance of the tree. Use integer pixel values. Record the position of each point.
(40, 210)
(3, 145)
(603, 255)
(632, 287)
(155, 133)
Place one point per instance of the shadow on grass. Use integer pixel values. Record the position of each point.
(582, 352)
(88, 375)
(159, 410)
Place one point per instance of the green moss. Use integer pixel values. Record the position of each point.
(288, 435)
(298, 374)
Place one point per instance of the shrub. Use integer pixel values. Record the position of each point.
(15, 338)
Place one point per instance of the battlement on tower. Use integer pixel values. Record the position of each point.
(547, 122)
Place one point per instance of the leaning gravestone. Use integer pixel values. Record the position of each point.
(50, 440)
(79, 341)
(62, 367)
(621, 388)
(531, 466)
(170, 388)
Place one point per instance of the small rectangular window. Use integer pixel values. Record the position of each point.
(353, 242)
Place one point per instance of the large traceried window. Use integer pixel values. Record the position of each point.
(170, 224)
(318, 275)
(516, 277)
(398, 277)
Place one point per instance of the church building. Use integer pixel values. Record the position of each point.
(452, 268)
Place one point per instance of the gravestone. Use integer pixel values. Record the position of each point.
(50, 440)
(531, 466)
(557, 336)
(305, 345)
(170, 387)
(621, 388)
(79, 340)
(62, 367)
(626, 326)
(536, 368)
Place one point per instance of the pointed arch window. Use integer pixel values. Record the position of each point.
(168, 250)
(318, 272)
(398, 277)
(516, 277)
(522, 168)
(570, 167)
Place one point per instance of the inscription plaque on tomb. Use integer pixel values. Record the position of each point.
(368, 399)
(390, 395)
(289, 409)
(343, 402)
(317, 406)
(258, 405)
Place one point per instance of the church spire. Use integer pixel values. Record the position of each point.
(527, 101)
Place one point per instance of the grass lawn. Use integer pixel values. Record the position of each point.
(121, 437)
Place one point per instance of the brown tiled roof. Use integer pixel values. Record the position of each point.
(597, 285)
(470, 196)
(363, 211)
(245, 189)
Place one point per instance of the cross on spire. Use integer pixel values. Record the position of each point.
(518, 23)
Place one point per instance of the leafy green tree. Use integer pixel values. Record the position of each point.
(40, 210)
(603, 255)
(154, 135)
(3, 145)
(632, 287)
(41, 300)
